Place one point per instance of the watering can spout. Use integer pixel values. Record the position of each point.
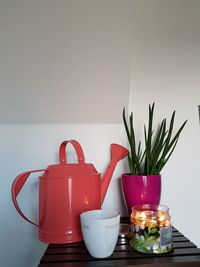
(117, 152)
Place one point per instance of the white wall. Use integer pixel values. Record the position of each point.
(63, 64)
(62, 61)
(166, 67)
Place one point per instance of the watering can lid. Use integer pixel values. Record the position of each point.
(64, 169)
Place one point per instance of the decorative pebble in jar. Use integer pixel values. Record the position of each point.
(151, 230)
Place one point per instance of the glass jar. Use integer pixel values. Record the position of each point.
(151, 229)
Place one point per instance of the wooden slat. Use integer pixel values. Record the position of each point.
(185, 254)
(67, 245)
(187, 261)
(176, 234)
(180, 239)
(79, 250)
(119, 255)
(184, 245)
(177, 237)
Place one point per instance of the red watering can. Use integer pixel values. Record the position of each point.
(65, 191)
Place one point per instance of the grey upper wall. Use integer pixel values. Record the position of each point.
(64, 61)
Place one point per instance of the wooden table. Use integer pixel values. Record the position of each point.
(185, 254)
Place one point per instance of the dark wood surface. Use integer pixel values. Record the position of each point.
(185, 254)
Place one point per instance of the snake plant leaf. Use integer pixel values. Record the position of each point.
(171, 143)
(132, 128)
(164, 161)
(169, 133)
(131, 139)
(158, 146)
(131, 165)
(146, 164)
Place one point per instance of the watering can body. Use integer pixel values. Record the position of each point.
(65, 191)
(61, 200)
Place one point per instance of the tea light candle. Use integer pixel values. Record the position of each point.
(151, 230)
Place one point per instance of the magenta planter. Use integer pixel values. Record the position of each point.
(141, 189)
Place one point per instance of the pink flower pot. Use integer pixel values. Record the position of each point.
(141, 189)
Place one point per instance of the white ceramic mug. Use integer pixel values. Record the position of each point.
(100, 229)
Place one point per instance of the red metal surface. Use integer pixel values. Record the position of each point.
(65, 191)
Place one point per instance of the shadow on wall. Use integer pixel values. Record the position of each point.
(122, 197)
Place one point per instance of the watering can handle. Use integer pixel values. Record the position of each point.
(78, 149)
(17, 186)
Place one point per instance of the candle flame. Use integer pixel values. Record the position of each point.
(143, 215)
(161, 218)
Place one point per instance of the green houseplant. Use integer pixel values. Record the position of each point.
(146, 164)
(159, 144)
